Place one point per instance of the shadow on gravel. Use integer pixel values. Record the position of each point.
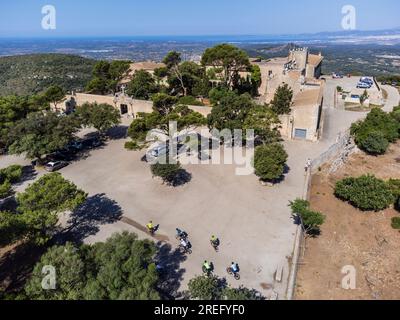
(86, 220)
(118, 132)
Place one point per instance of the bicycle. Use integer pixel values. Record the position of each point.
(236, 275)
(215, 244)
(185, 250)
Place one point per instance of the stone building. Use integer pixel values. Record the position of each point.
(126, 105)
(300, 71)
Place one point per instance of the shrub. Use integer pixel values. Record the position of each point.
(270, 161)
(166, 171)
(132, 145)
(311, 220)
(5, 189)
(375, 143)
(366, 193)
(12, 173)
(377, 121)
(396, 223)
(394, 186)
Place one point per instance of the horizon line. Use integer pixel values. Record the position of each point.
(17, 37)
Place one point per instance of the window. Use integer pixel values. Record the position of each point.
(300, 133)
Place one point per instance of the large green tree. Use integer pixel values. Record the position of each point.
(163, 103)
(264, 122)
(231, 111)
(142, 86)
(107, 75)
(122, 268)
(41, 203)
(270, 161)
(54, 94)
(42, 133)
(13, 109)
(282, 102)
(70, 275)
(231, 59)
(172, 61)
(99, 116)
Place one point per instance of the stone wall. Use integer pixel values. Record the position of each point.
(134, 106)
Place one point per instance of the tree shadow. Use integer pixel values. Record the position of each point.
(28, 173)
(118, 132)
(170, 259)
(181, 178)
(281, 179)
(17, 264)
(86, 220)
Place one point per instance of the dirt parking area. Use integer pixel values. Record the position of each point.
(351, 237)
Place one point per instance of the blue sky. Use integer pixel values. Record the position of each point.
(22, 18)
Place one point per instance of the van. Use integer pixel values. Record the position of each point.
(157, 151)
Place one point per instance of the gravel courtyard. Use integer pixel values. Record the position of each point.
(252, 221)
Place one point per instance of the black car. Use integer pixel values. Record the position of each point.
(92, 143)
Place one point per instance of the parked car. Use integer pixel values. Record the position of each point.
(92, 143)
(75, 146)
(55, 165)
(367, 80)
(395, 84)
(157, 152)
(363, 85)
(337, 76)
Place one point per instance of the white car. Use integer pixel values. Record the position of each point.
(363, 85)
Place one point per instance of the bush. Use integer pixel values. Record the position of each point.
(396, 223)
(375, 143)
(5, 189)
(270, 161)
(166, 171)
(394, 186)
(366, 193)
(311, 220)
(370, 134)
(132, 145)
(12, 173)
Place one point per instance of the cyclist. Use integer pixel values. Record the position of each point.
(150, 226)
(234, 267)
(207, 266)
(184, 244)
(214, 241)
(180, 234)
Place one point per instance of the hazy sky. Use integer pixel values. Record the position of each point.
(22, 18)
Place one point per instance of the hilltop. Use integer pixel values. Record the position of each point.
(29, 74)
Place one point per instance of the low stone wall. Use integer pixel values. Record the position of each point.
(336, 155)
(134, 106)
